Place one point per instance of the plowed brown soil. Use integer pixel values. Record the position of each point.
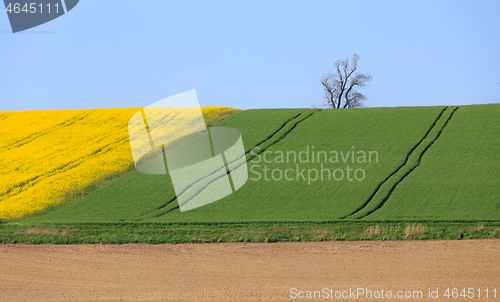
(244, 271)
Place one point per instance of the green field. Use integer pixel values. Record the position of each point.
(436, 167)
(458, 177)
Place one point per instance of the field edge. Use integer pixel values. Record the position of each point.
(176, 233)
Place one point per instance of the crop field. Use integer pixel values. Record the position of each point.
(394, 173)
(458, 177)
(49, 158)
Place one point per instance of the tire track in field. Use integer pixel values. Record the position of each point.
(248, 160)
(269, 138)
(4, 116)
(358, 214)
(162, 122)
(404, 163)
(39, 134)
(246, 152)
(20, 187)
(63, 168)
(281, 137)
(48, 155)
(274, 133)
(260, 143)
(174, 198)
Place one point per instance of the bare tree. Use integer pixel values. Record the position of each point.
(341, 87)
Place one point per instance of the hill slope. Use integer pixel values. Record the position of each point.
(458, 177)
(50, 157)
(409, 163)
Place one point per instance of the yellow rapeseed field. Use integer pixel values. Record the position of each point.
(53, 156)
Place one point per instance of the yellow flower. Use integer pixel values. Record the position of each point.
(48, 158)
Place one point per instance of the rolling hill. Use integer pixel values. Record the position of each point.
(313, 165)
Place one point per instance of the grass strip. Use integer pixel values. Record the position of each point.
(176, 233)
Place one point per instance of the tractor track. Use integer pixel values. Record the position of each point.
(269, 138)
(20, 187)
(246, 152)
(31, 137)
(411, 169)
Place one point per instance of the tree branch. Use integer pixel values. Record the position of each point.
(342, 85)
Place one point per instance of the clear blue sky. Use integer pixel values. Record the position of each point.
(252, 54)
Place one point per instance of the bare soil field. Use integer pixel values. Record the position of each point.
(248, 271)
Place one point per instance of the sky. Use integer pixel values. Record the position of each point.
(252, 54)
